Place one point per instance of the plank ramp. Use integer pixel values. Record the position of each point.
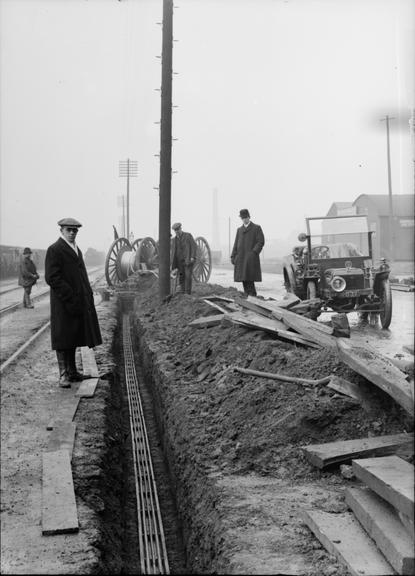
(378, 370)
(87, 388)
(89, 364)
(391, 477)
(342, 536)
(59, 513)
(62, 437)
(253, 320)
(322, 455)
(382, 523)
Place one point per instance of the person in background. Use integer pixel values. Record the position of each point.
(73, 317)
(248, 244)
(28, 276)
(184, 257)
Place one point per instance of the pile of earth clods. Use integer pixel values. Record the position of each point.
(223, 429)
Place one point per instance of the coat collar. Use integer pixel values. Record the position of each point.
(68, 250)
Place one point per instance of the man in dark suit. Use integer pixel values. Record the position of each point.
(248, 244)
(184, 257)
(73, 316)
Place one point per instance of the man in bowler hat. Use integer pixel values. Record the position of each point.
(184, 257)
(248, 244)
(28, 276)
(73, 316)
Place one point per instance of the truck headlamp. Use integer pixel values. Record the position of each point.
(338, 284)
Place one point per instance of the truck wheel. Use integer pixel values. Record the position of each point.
(311, 290)
(385, 295)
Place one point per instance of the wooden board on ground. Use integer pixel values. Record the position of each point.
(382, 523)
(378, 370)
(252, 320)
(59, 513)
(243, 303)
(66, 411)
(87, 388)
(342, 536)
(206, 321)
(62, 437)
(216, 306)
(391, 477)
(364, 392)
(89, 364)
(322, 455)
(310, 329)
(273, 304)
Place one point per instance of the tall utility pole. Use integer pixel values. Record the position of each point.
(165, 150)
(128, 169)
(388, 155)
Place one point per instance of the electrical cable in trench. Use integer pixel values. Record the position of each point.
(153, 553)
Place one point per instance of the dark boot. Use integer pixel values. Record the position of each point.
(64, 381)
(73, 374)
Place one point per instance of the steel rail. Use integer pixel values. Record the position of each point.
(23, 347)
(152, 546)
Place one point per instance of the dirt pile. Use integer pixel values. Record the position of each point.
(224, 429)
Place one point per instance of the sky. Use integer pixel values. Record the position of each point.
(278, 108)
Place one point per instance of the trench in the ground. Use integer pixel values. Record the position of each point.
(166, 497)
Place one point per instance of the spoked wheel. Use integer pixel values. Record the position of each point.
(147, 255)
(115, 273)
(385, 295)
(203, 264)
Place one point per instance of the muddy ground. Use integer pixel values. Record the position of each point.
(234, 441)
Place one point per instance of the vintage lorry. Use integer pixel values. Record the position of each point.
(335, 264)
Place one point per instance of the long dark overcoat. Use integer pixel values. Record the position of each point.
(248, 244)
(73, 316)
(27, 272)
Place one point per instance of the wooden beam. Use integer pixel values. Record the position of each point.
(378, 370)
(87, 388)
(342, 536)
(323, 455)
(253, 307)
(382, 523)
(391, 477)
(89, 364)
(59, 513)
(252, 320)
(62, 437)
(206, 321)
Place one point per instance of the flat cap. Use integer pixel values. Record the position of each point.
(69, 222)
(176, 226)
(244, 213)
(27, 251)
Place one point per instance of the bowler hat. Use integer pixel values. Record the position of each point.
(244, 213)
(27, 251)
(176, 226)
(69, 222)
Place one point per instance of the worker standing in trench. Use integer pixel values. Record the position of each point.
(248, 244)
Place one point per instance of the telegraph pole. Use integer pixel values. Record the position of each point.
(128, 169)
(165, 150)
(388, 155)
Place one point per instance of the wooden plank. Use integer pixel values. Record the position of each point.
(59, 513)
(268, 324)
(273, 304)
(310, 329)
(253, 307)
(66, 411)
(382, 523)
(216, 306)
(217, 297)
(87, 388)
(378, 370)
(361, 391)
(62, 437)
(89, 364)
(322, 455)
(206, 321)
(391, 477)
(342, 536)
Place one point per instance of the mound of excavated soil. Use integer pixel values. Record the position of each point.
(236, 426)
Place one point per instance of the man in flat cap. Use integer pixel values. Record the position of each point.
(28, 276)
(183, 257)
(248, 244)
(73, 316)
